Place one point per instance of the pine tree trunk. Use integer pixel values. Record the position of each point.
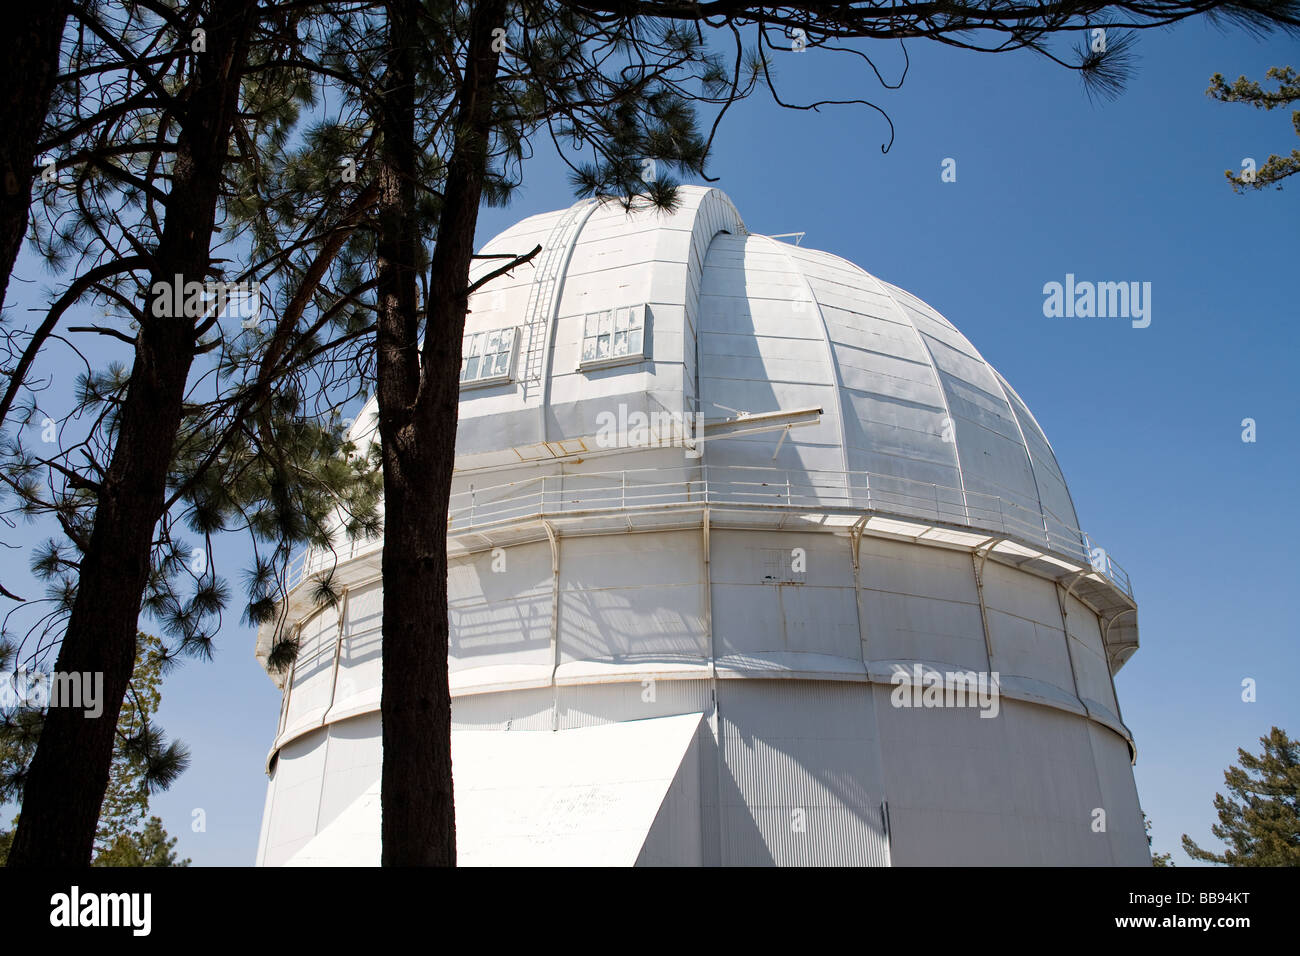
(28, 68)
(417, 423)
(70, 769)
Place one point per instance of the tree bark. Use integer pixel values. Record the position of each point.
(418, 408)
(28, 68)
(70, 769)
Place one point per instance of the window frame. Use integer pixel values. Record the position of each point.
(497, 378)
(638, 321)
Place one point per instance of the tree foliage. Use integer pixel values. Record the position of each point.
(1260, 821)
(205, 425)
(144, 762)
(1276, 168)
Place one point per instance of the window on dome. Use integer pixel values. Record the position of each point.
(487, 357)
(613, 337)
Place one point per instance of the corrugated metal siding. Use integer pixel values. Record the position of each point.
(676, 836)
(794, 753)
(587, 705)
(1124, 824)
(531, 709)
(964, 790)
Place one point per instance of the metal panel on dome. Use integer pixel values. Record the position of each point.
(1025, 627)
(1089, 657)
(627, 598)
(1057, 504)
(354, 757)
(764, 604)
(313, 671)
(499, 605)
(360, 656)
(296, 785)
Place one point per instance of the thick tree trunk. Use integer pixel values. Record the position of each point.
(70, 770)
(28, 68)
(417, 423)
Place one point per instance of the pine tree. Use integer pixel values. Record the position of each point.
(147, 451)
(1276, 168)
(148, 847)
(1260, 821)
(29, 65)
(144, 762)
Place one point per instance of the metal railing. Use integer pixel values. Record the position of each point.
(750, 487)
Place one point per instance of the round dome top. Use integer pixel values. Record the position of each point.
(702, 317)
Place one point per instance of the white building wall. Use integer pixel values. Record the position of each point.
(920, 604)
(632, 597)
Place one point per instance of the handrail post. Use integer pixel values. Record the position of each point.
(471, 504)
(623, 496)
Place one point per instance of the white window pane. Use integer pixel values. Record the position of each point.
(493, 341)
(634, 342)
(502, 363)
(620, 343)
(605, 322)
(473, 344)
(603, 347)
(592, 324)
(589, 349)
(621, 318)
(637, 319)
(471, 368)
(507, 339)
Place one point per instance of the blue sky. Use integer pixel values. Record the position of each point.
(1146, 423)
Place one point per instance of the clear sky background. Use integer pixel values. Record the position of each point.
(1146, 423)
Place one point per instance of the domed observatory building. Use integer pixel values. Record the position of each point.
(754, 559)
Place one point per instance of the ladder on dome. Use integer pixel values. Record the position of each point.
(541, 297)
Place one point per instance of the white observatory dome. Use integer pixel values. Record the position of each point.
(726, 512)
